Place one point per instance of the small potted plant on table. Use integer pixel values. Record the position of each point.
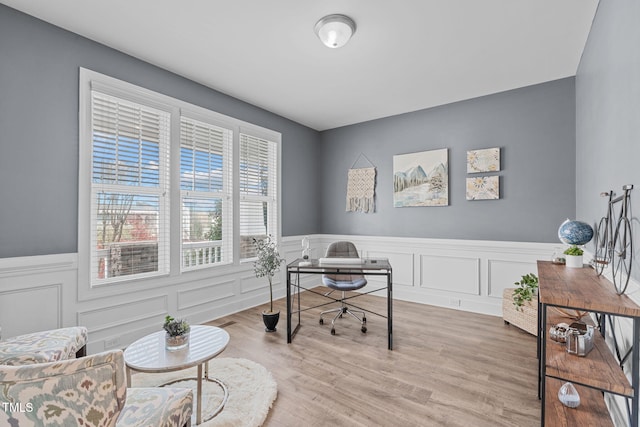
(574, 257)
(267, 264)
(177, 336)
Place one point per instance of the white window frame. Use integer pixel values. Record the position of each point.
(92, 80)
(273, 192)
(226, 194)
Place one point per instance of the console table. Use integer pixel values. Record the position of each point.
(368, 267)
(599, 371)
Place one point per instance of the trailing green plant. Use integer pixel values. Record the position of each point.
(267, 263)
(574, 250)
(526, 289)
(175, 327)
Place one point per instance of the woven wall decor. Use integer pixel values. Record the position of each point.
(361, 186)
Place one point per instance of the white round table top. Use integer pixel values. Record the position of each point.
(149, 354)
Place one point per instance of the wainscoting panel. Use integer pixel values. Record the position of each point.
(124, 313)
(251, 283)
(504, 273)
(206, 294)
(40, 284)
(402, 264)
(43, 300)
(452, 274)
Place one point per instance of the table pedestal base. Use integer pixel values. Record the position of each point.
(220, 407)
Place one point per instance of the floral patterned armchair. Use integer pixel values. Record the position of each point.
(90, 391)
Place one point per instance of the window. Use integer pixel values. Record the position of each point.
(128, 189)
(167, 187)
(205, 184)
(258, 192)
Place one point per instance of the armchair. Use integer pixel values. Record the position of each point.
(89, 391)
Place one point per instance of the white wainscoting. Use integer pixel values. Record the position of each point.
(36, 293)
(464, 275)
(42, 292)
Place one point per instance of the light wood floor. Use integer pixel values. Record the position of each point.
(447, 368)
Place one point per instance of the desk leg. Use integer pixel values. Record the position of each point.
(543, 362)
(390, 309)
(199, 410)
(635, 372)
(288, 306)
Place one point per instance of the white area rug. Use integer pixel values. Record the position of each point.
(251, 387)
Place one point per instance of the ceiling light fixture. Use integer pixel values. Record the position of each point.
(335, 30)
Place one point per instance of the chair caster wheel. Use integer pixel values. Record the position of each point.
(364, 329)
(321, 322)
(333, 331)
(364, 320)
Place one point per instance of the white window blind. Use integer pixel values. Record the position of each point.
(205, 188)
(129, 197)
(258, 192)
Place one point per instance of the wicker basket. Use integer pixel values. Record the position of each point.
(525, 317)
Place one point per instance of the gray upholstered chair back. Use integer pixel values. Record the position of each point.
(342, 250)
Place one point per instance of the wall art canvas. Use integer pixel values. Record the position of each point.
(421, 179)
(487, 160)
(483, 188)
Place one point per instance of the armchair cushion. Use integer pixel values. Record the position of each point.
(157, 407)
(42, 347)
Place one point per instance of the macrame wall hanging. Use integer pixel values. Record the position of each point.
(361, 186)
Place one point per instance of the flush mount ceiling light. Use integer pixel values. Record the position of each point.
(335, 30)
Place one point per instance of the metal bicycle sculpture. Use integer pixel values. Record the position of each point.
(615, 246)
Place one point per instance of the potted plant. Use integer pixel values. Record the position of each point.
(267, 264)
(574, 257)
(518, 307)
(526, 289)
(177, 333)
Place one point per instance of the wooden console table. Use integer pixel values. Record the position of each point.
(598, 371)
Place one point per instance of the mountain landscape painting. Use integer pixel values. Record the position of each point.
(421, 179)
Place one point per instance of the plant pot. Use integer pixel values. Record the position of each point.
(177, 342)
(270, 320)
(525, 317)
(573, 261)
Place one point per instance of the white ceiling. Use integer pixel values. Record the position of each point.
(405, 55)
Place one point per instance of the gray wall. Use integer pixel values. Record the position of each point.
(608, 112)
(535, 129)
(39, 133)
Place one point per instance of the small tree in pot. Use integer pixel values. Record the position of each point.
(267, 264)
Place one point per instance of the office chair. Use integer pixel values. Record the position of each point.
(343, 282)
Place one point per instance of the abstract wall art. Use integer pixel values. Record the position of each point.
(486, 160)
(421, 179)
(483, 188)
